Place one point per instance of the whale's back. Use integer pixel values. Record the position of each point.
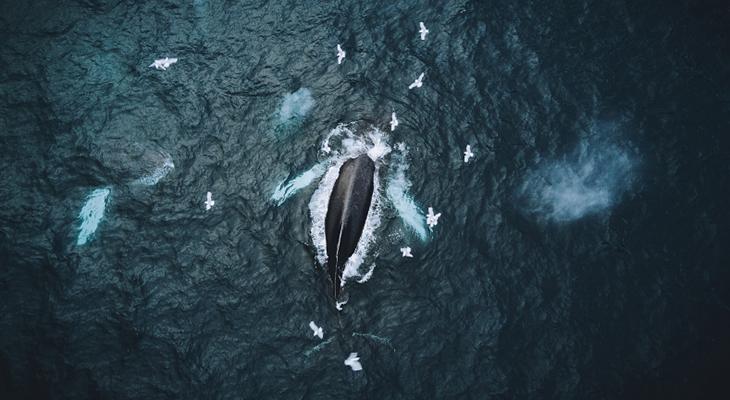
(347, 212)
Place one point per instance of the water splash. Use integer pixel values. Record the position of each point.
(367, 275)
(286, 189)
(352, 145)
(157, 175)
(91, 214)
(397, 192)
(589, 181)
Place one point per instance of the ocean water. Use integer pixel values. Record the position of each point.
(582, 253)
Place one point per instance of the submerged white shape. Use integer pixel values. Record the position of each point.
(468, 154)
(587, 181)
(353, 361)
(163, 63)
(423, 31)
(91, 214)
(340, 54)
(393, 121)
(406, 252)
(339, 304)
(367, 275)
(316, 329)
(159, 173)
(397, 189)
(432, 219)
(296, 105)
(418, 82)
(287, 189)
(209, 202)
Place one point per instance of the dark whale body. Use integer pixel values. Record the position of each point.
(347, 212)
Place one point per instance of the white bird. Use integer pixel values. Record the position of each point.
(432, 219)
(353, 361)
(418, 82)
(393, 121)
(340, 54)
(163, 63)
(406, 252)
(468, 154)
(339, 304)
(316, 329)
(209, 203)
(423, 31)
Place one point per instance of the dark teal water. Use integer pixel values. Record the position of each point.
(581, 254)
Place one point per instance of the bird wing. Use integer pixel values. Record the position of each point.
(313, 326)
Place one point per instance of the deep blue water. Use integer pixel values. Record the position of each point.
(582, 253)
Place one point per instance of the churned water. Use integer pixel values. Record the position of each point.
(582, 252)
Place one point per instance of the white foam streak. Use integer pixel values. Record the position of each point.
(367, 275)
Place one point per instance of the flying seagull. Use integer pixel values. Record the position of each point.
(423, 31)
(418, 82)
(340, 54)
(316, 329)
(209, 203)
(432, 219)
(406, 252)
(163, 63)
(468, 154)
(393, 121)
(353, 361)
(339, 304)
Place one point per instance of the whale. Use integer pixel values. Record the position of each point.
(347, 212)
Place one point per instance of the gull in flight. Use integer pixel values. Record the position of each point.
(468, 154)
(340, 54)
(418, 82)
(163, 63)
(353, 361)
(432, 219)
(339, 304)
(393, 121)
(423, 31)
(209, 203)
(406, 252)
(316, 329)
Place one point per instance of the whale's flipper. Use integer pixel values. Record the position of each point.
(346, 214)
